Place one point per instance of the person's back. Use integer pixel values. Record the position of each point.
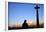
(25, 25)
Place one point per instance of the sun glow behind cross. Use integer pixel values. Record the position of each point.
(29, 22)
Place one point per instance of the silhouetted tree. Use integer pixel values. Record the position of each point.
(25, 25)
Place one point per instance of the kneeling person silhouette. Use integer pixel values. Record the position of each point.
(25, 25)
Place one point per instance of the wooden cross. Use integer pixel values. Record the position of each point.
(37, 17)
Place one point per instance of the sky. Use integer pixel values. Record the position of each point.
(18, 12)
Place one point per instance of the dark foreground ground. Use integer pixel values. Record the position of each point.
(31, 27)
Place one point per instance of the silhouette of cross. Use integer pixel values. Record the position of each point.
(37, 15)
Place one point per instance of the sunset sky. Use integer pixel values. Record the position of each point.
(18, 12)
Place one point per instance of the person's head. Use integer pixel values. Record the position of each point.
(25, 21)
